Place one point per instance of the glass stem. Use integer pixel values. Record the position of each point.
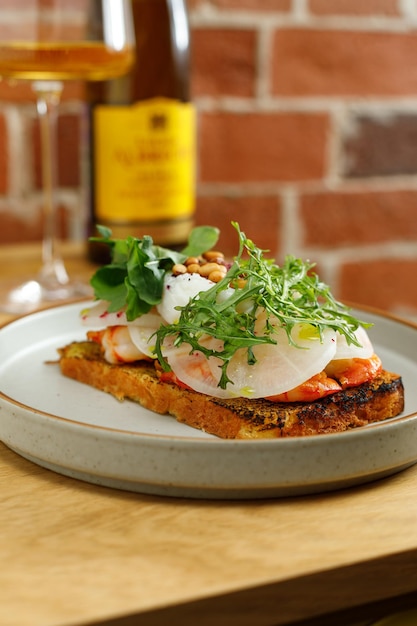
(48, 95)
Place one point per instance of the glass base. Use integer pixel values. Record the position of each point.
(36, 294)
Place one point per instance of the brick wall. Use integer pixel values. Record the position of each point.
(307, 135)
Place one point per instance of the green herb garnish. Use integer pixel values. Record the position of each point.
(292, 294)
(134, 279)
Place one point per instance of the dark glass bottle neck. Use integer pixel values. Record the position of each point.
(162, 56)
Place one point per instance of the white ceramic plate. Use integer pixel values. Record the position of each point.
(78, 431)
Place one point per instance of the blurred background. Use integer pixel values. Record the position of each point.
(307, 136)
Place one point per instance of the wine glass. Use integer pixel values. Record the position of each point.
(48, 42)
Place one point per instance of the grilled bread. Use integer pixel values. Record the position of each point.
(238, 418)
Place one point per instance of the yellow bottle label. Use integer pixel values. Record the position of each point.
(144, 161)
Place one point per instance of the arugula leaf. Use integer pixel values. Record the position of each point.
(291, 294)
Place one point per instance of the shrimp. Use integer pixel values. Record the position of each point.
(170, 377)
(314, 388)
(278, 368)
(339, 374)
(117, 345)
(354, 372)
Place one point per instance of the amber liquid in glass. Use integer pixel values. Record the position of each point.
(62, 61)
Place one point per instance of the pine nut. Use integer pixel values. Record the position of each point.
(216, 276)
(213, 255)
(207, 268)
(192, 260)
(193, 268)
(178, 268)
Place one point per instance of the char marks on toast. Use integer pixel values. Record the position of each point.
(237, 418)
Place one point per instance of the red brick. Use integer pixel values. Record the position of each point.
(194, 4)
(331, 220)
(262, 146)
(18, 5)
(254, 5)
(68, 152)
(354, 7)
(16, 92)
(381, 146)
(16, 229)
(343, 63)
(4, 162)
(20, 229)
(387, 284)
(28, 4)
(22, 92)
(258, 216)
(224, 62)
(18, 20)
(25, 28)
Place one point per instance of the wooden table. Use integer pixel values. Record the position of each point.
(73, 553)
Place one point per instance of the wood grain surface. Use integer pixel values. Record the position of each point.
(75, 554)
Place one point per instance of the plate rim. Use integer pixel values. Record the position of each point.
(294, 463)
(194, 439)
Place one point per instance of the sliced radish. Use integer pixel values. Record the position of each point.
(141, 332)
(97, 316)
(350, 351)
(279, 367)
(178, 291)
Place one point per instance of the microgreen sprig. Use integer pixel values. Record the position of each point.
(291, 294)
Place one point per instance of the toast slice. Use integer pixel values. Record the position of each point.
(238, 418)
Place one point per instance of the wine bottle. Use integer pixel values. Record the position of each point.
(143, 134)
